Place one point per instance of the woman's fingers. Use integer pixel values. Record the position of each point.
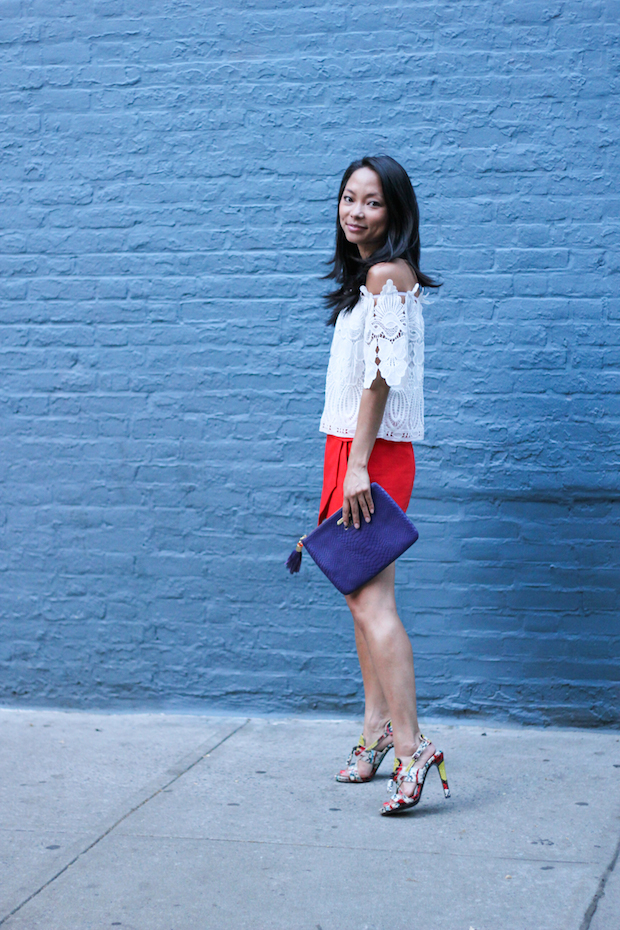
(354, 508)
(363, 503)
(370, 503)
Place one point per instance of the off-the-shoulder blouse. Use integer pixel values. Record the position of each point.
(382, 334)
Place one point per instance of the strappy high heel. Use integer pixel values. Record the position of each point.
(412, 773)
(369, 754)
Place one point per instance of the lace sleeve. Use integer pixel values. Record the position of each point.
(386, 339)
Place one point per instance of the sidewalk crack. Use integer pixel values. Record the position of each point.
(600, 891)
(119, 820)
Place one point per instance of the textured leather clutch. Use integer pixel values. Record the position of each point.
(351, 557)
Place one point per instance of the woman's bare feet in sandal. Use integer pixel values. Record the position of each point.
(366, 757)
(428, 750)
(409, 776)
(384, 740)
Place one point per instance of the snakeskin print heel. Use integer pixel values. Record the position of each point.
(412, 773)
(369, 754)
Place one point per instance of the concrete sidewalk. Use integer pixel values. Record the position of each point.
(148, 822)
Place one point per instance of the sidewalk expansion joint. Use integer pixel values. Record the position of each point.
(600, 891)
(244, 841)
(166, 784)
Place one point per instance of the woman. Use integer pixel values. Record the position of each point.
(373, 410)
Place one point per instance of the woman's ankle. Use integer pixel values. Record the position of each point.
(374, 726)
(406, 749)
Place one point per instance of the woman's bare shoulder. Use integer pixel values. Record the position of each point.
(397, 271)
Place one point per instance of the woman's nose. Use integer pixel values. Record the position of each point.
(357, 209)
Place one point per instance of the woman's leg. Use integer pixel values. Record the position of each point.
(376, 710)
(386, 659)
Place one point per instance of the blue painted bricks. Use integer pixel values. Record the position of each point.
(168, 175)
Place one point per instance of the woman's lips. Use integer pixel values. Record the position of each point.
(354, 228)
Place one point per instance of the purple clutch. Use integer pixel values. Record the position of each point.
(351, 557)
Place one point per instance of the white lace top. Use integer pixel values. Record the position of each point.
(384, 334)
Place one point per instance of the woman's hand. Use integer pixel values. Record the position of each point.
(357, 499)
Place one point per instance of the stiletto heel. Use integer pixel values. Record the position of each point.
(369, 754)
(412, 773)
(441, 768)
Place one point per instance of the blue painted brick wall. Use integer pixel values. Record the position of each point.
(168, 173)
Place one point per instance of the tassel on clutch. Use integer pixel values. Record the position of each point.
(293, 563)
(351, 557)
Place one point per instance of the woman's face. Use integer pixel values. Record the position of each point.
(362, 211)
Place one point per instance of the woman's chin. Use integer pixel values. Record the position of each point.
(354, 238)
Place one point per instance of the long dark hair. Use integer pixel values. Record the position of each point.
(402, 238)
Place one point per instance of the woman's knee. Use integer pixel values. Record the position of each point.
(363, 611)
(372, 619)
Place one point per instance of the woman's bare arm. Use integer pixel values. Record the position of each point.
(357, 497)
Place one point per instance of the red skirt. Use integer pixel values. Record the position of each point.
(391, 464)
